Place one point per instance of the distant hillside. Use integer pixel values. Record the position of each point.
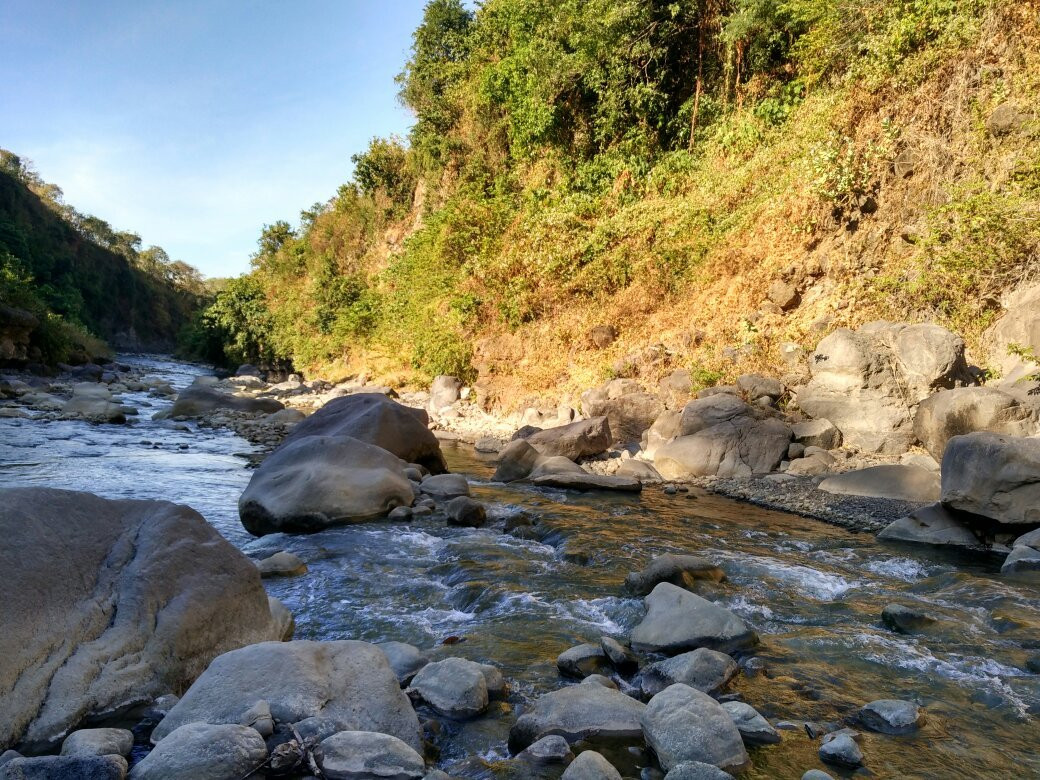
(79, 280)
(705, 180)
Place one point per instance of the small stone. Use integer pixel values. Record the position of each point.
(816, 774)
(552, 749)
(360, 755)
(599, 679)
(841, 749)
(696, 770)
(282, 564)
(623, 659)
(906, 620)
(892, 716)
(465, 511)
(400, 513)
(445, 485)
(581, 661)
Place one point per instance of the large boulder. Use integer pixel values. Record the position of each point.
(201, 398)
(375, 419)
(720, 435)
(201, 751)
(665, 429)
(130, 600)
(677, 620)
(994, 476)
(934, 524)
(577, 440)
(312, 483)
(868, 382)
(890, 480)
(683, 724)
(963, 410)
(453, 687)
(346, 681)
(706, 670)
(629, 409)
(93, 402)
(1019, 325)
(368, 755)
(580, 712)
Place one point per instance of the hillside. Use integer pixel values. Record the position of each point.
(699, 182)
(68, 279)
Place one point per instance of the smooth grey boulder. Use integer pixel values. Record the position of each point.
(555, 464)
(840, 748)
(639, 469)
(454, 687)
(579, 439)
(281, 564)
(709, 671)
(375, 419)
(891, 716)
(368, 755)
(682, 724)
(677, 620)
(93, 402)
(665, 429)
(1020, 324)
(1020, 560)
(552, 749)
(516, 461)
(600, 679)
(963, 410)
(405, 659)
(696, 770)
(98, 742)
(582, 660)
(994, 476)
(200, 399)
(868, 382)
(754, 729)
(320, 481)
(444, 391)
(64, 768)
(817, 433)
(681, 570)
(590, 765)
(905, 620)
(466, 512)
(891, 480)
(629, 409)
(579, 712)
(445, 485)
(933, 524)
(348, 681)
(586, 481)
(130, 599)
(816, 774)
(812, 465)
(720, 435)
(203, 751)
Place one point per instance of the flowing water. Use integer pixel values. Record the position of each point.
(814, 593)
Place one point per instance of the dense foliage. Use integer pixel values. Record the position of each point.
(80, 277)
(567, 151)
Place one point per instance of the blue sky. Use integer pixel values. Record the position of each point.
(195, 123)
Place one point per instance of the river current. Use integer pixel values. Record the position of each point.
(814, 593)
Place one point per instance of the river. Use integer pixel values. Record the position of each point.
(813, 591)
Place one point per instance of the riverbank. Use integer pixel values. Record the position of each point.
(813, 593)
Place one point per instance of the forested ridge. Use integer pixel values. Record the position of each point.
(70, 282)
(706, 180)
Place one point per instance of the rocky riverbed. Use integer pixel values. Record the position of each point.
(841, 620)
